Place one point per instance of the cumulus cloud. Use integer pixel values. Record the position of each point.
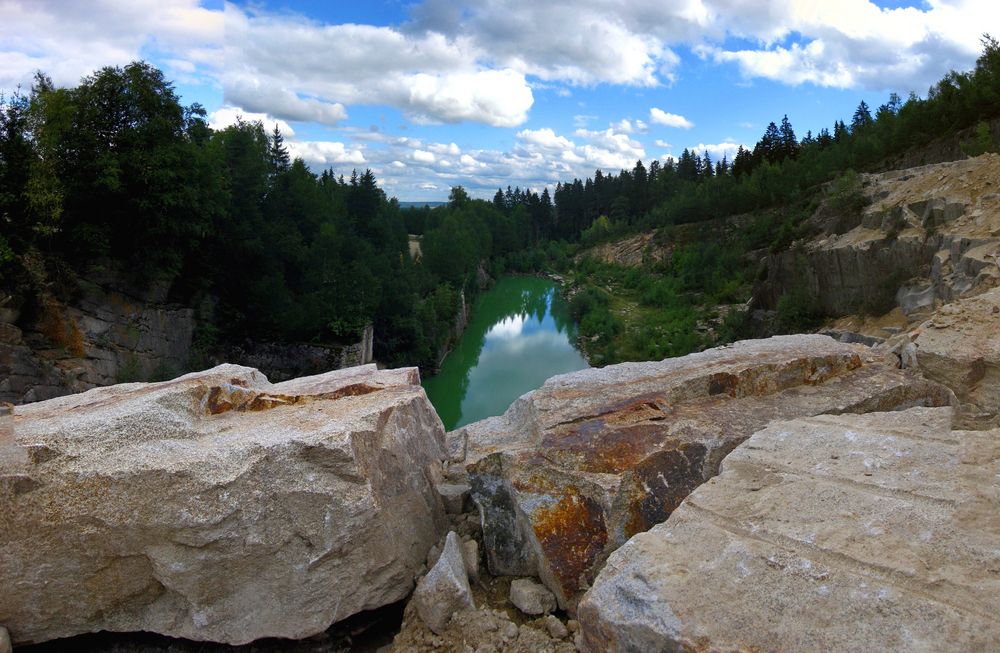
(423, 156)
(68, 40)
(661, 117)
(482, 61)
(853, 43)
(539, 158)
(325, 153)
(727, 149)
(545, 139)
(226, 116)
(303, 70)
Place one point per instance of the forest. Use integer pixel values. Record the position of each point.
(117, 176)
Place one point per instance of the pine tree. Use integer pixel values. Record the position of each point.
(278, 153)
(789, 147)
(862, 118)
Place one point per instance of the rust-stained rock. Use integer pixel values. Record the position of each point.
(217, 506)
(869, 532)
(574, 469)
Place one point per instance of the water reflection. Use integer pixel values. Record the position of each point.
(520, 334)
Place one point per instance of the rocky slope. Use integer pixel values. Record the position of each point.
(217, 506)
(928, 236)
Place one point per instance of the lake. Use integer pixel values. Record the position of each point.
(520, 333)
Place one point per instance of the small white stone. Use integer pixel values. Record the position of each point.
(531, 597)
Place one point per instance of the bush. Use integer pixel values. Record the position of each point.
(798, 311)
(847, 195)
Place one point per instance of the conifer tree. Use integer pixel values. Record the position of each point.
(278, 153)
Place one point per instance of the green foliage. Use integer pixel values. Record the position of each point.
(847, 194)
(981, 143)
(798, 311)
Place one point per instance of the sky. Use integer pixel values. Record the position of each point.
(431, 94)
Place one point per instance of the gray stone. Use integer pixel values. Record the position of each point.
(454, 496)
(555, 627)
(445, 589)
(217, 506)
(470, 554)
(531, 597)
(831, 533)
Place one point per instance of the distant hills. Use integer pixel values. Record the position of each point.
(417, 205)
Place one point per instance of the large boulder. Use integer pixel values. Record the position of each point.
(217, 506)
(833, 533)
(574, 469)
(960, 347)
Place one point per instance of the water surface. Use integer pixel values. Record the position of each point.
(520, 334)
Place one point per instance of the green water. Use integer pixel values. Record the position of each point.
(520, 334)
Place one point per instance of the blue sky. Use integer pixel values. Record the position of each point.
(435, 93)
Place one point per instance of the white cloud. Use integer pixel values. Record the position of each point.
(302, 70)
(661, 117)
(853, 43)
(325, 153)
(68, 40)
(226, 116)
(545, 139)
(659, 142)
(539, 158)
(480, 61)
(727, 148)
(423, 156)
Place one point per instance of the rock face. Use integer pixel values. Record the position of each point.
(577, 467)
(928, 236)
(103, 337)
(282, 361)
(960, 348)
(833, 533)
(217, 506)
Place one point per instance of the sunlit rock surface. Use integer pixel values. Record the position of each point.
(960, 347)
(833, 533)
(577, 467)
(217, 506)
